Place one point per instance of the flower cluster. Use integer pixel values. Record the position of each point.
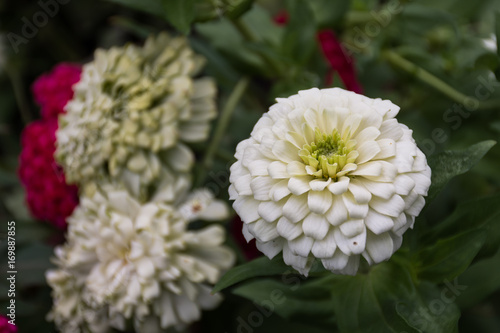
(133, 108)
(47, 194)
(332, 175)
(130, 255)
(127, 260)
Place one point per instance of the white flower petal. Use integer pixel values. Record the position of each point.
(340, 186)
(258, 167)
(360, 193)
(392, 207)
(382, 190)
(299, 185)
(319, 184)
(416, 207)
(277, 170)
(260, 187)
(285, 151)
(352, 228)
(319, 202)
(246, 208)
(367, 151)
(378, 223)
(296, 168)
(295, 209)
(338, 212)
(289, 230)
(337, 262)
(387, 149)
(379, 247)
(367, 134)
(301, 246)
(355, 210)
(301, 264)
(271, 248)
(325, 248)
(270, 210)
(315, 226)
(263, 231)
(279, 190)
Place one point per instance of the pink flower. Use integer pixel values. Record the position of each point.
(5, 326)
(53, 90)
(48, 196)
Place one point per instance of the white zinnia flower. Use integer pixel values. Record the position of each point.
(132, 109)
(329, 174)
(139, 261)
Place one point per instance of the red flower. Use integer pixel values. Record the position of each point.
(53, 90)
(47, 194)
(5, 326)
(338, 60)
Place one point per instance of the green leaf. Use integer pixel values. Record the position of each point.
(299, 41)
(238, 8)
(259, 267)
(476, 214)
(449, 164)
(153, 7)
(329, 13)
(431, 310)
(367, 303)
(291, 298)
(481, 279)
(180, 13)
(449, 257)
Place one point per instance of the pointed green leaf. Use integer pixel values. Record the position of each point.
(431, 309)
(449, 164)
(180, 13)
(449, 257)
(292, 298)
(481, 279)
(259, 267)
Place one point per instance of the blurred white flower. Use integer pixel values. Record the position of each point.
(139, 261)
(329, 174)
(132, 109)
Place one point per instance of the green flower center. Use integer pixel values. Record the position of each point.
(327, 155)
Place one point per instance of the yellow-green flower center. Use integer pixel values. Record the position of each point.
(327, 155)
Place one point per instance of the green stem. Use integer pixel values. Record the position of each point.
(220, 129)
(433, 81)
(247, 34)
(20, 96)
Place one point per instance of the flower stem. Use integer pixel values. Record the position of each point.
(20, 96)
(247, 34)
(423, 75)
(220, 129)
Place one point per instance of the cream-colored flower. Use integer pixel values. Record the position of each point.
(332, 175)
(139, 261)
(70, 312)
(132, 109)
